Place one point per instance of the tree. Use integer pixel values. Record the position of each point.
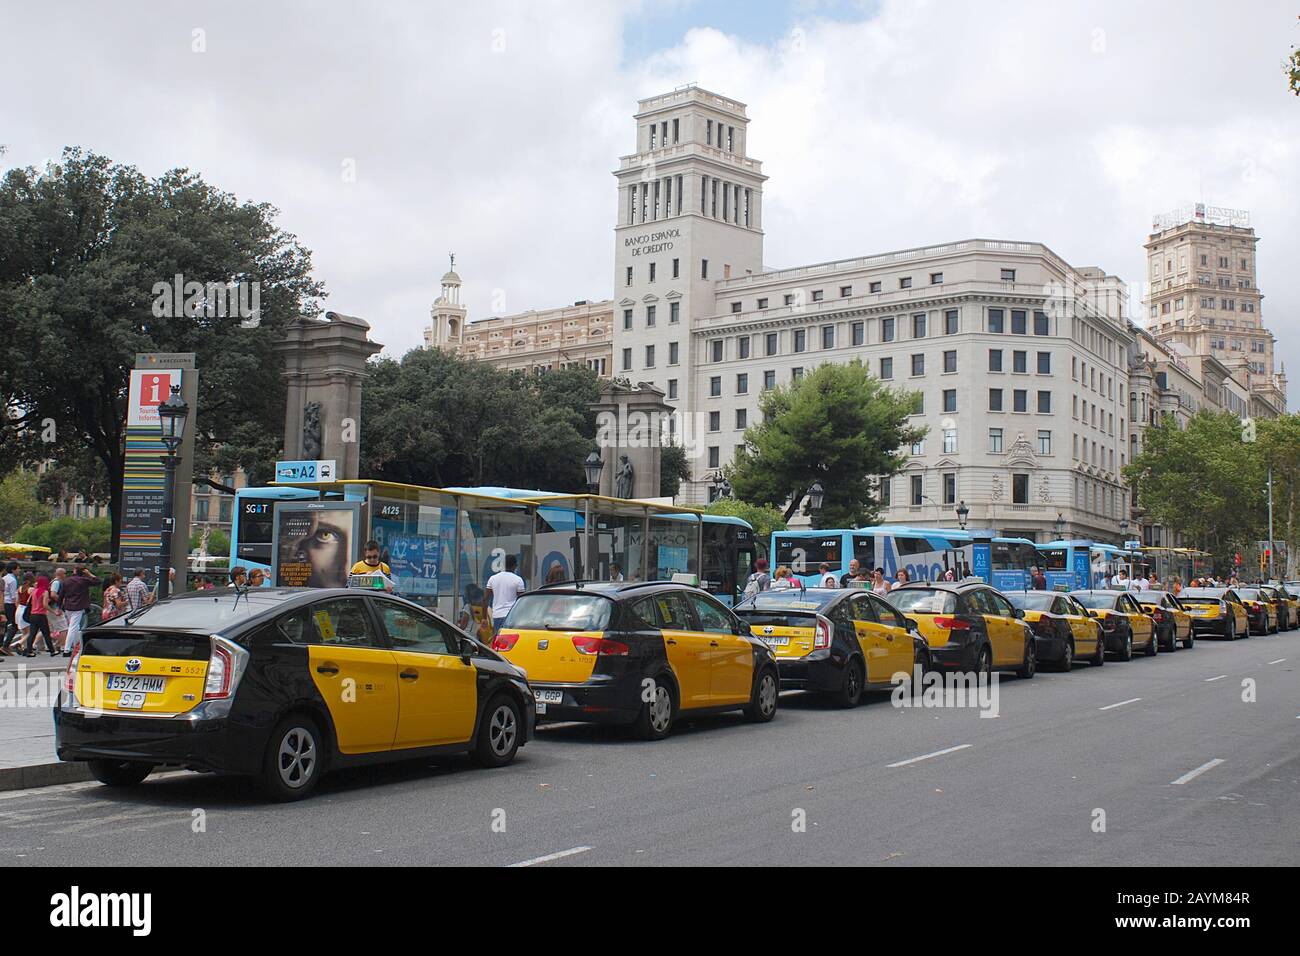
(69, 534)
(763, 520)
(1291, 66)
(19, 505)
(437, 419)
(1203, 482)
(674, 468)
(839, 425)
(83, 244)
(1278, 442)
(218, 542)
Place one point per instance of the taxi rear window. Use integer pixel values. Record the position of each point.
(772, 619)
(207, 614)
(923, 601)
(561, 612)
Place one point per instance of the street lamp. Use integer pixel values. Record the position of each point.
(592, 466)
(1123, 530)
(171, 415)
(816, 496)
(962, 514)
(1058, 526)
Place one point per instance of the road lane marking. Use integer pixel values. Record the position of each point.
(1278, 661)
(1131, 700)
(574, 851)
(937, 753)
(1220, 677)
(1192, 774)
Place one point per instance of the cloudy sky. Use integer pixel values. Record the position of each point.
(491, 129)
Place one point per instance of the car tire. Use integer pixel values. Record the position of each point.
(1232, 629)
(1127, 653)
(1030, 666)
(657, 715)
(762, 703)
(119, 773)
(1189, 640)
(984, 664)
(499, 732)
(1066, 663)
(294, 759)
(1153, 645)
(922, 661)
(850, 692)
(1172, 644)
(1099, 658)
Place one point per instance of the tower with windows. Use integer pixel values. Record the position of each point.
(690, 213)
(447, 326)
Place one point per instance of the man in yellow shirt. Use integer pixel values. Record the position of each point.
(371, 564)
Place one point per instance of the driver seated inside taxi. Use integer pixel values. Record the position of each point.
(370, 564)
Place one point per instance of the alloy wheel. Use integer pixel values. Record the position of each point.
(502, 730)
(297, 757)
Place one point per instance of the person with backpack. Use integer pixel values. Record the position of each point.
(760, 580)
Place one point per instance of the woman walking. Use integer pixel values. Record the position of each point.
(114, 597)
(38, 616)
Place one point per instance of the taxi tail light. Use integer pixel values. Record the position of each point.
(1158, 615)
(504, 641)
(601, 646)
(822, 636)
(225, 667)
(952, 623)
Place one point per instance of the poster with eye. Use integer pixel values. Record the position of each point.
(315, 543)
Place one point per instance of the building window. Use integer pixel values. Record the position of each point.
(674, 313)
(1020, 489)
(936, 278)
(997, 320)
(715, 386)
(1008, 275)
(884, 487)
(672, 388)
(800, 340)
(629, 275)
(649, 356)
(627, 319)
(950, 441)
(769, 343)
(742, 418)
(995, 441)
(918, 365)
(828, 336)
(1019, 362)
(950, 399)
(918, 491)
(995, 360)
(713, 456)
(796, 373)
(1019, 322)
(1040, 323)
(627, 360)
(715, 350)
(1044, 403)
(1044, 363)
(704, 268)
(905, 283)
(735, 308)
(918, 403)
(950, 360)
(677, 268)
(886, 368)
(742, 383)
(874, 287)
(715, 421)
(649, 316)
(846, 291)
(950, 324)
(652, 272)
(673, 353)
(995, 399)
(950, 488)
(743, 343)
(769, 380)
(817, 295)
(762, 304)
(859, 331)
(918, 326)
(1020, 400)
(1044, 442)
(887, 330)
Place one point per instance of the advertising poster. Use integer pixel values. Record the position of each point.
(143, 475)
(314, 543)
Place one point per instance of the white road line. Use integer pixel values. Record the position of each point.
(937, 753)
(1278, 661)
(1192, 774)
(1220, 677)
(552, 856)
(1131, 700)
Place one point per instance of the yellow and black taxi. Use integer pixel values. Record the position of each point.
(969, 626)
(283, 684)
(835, 641)
(1283, 603)
(1216, 611)
(1124, 625)
(639, 653)
(1173, 623)
(1260, 609)
(1062, 628)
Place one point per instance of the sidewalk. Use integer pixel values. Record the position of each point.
(27, 697)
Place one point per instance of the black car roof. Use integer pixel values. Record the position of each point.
(821, 597)
(953, 586)
(615, 590)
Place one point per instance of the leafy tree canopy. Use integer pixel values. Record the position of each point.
(70, 534)
(764, 520)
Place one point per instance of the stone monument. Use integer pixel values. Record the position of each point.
(630, 425)
(325, 366)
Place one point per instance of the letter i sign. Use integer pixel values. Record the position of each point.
(149, 389)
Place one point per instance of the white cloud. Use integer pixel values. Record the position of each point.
(491, 129)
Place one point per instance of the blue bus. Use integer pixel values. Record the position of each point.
(925, 553)
(1078, 564)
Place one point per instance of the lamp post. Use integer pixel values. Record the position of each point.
(592, 466)
(1058, 526)
(963, 513)
(1123, 530)
(171, 416)
(816, 496)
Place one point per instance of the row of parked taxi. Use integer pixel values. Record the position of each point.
(283, 684)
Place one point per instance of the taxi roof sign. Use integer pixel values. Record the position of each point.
(374, 582)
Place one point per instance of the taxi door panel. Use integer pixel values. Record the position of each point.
(689, 654)
(355, 676)
(730, 656)
(871, 638)
(999, 631)
(899, 654)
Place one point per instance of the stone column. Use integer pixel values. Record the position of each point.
(325, 366)
(629, 422)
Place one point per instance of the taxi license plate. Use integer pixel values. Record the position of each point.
(548, 696)
(131, 700)
(134, 683)
(776, 641)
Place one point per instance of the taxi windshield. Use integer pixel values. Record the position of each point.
(560, 612)
(1249, 594)
(1097, 602)
(923, 601)
(1030, 600)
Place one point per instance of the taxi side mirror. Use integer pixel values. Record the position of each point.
(912, 625)
(744, 629)
(468, 649)
(1092, 613)
(1020, 612)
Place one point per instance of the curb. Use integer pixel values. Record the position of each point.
(44, 775)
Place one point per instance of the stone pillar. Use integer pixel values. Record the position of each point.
(630, 423)
(325, 366)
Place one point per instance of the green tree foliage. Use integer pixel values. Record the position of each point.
(441, 420)
(674, 468)
(1291, 66)
(218, 542)
(1278, 444)
(70, 534)
(838, 424)
(1203, 482)
(762, 519)
(82, 245)
(19, 505)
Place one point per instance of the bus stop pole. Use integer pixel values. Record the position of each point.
(589, 542)
(532, 549)
(455, 565)
(645, 547)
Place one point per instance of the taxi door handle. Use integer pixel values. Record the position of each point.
(713, 643)
(327, 669)
(672, 642)
(409, 675)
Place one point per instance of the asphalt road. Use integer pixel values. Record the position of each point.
(1025, 787)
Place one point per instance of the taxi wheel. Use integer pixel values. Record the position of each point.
(1189, 640)
(921, 665)
(119, 773)
(1066, 663)
(850, 692)
(762, 706)
(293, 762)
(1172, 643)
(657, 714)
(1232, 630)
(1099, 658)
(1127, 653)
(984, 665)
(1153, 645)
(498, 734)
(1030, 666)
